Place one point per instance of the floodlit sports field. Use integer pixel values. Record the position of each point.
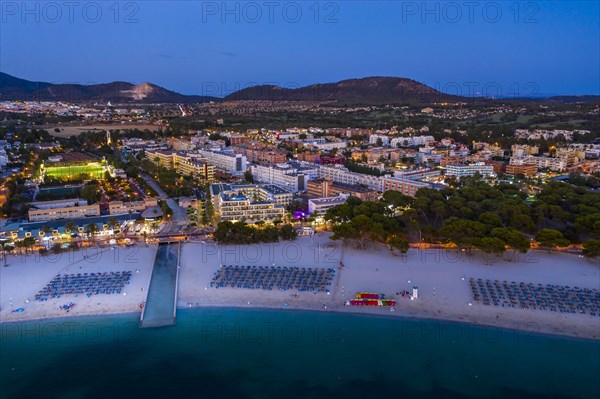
(94, 170)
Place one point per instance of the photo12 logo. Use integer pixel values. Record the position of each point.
(475, 89)
(252, 12)
(52, 12)
(470, 11)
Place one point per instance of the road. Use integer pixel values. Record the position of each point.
(179, 219)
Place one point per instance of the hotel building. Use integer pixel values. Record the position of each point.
(320, 206)
(226, 162)
(121, 208)
(341, 174)
(470, 170)
(405, 186)
(60, 211)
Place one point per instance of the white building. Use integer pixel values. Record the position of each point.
(227, 162)
(411, 141)
(554, 164)
(374, 139)
(320, 206)
(251, 203)
(293, 179)
(341, 174)
(331, 145)
(470, 170)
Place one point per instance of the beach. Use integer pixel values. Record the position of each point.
(442, 278)
(27, 274)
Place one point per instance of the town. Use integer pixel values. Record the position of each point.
(121, 175)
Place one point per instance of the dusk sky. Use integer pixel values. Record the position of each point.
(494, 48)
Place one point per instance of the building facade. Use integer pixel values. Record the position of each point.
(405, 186)
(470, 170)
(320, 206)
(226, 162)
(121, 208)
(68, 212)
(340, 174)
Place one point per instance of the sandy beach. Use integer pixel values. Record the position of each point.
(26, 275)
(441, 277)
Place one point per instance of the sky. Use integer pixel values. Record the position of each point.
(466, 47)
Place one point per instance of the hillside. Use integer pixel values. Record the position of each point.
(12, 88)
(371, 90)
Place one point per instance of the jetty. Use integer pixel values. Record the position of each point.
(160, 309)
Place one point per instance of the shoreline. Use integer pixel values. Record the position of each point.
(503, 324)
(443, 290)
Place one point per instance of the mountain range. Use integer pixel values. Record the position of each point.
(369, 91)
(12, 88)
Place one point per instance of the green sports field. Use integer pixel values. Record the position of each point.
(94, 171)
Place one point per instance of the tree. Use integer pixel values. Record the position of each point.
(551, 238)
(345, 231)
(7, 246)
(591, 249)
(363, 225)
(28, 242)
(398, 243)
(490, 245)
(70, 226)
(439, 209)
(513, 238)
(248, 177)
(461, 232)
(396, 199)
(91, 230)
(57, 248)
(113, 223)
(287, 232)
(490, 219)
(91, 193)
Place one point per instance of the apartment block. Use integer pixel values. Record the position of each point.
(261, 153)
(470, 170)
(189, 164)
(405, 186)
(527, 170)
(226, 162)
(68, 212)
(120, 207)
(327, 188)
(245, 204)
(341, 174)
(291, 178)
(320, 206)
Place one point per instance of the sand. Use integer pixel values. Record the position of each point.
(441, 277)
(25, 276)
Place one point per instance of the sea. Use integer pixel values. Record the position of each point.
(256, 353)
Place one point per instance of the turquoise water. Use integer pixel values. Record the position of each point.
(229, 353)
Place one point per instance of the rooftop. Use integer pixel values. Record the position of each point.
(329, 200)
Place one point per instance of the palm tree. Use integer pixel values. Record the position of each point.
(113, 223)
(91, 229)
(6, 246)
(70, 226)
(28, 242)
